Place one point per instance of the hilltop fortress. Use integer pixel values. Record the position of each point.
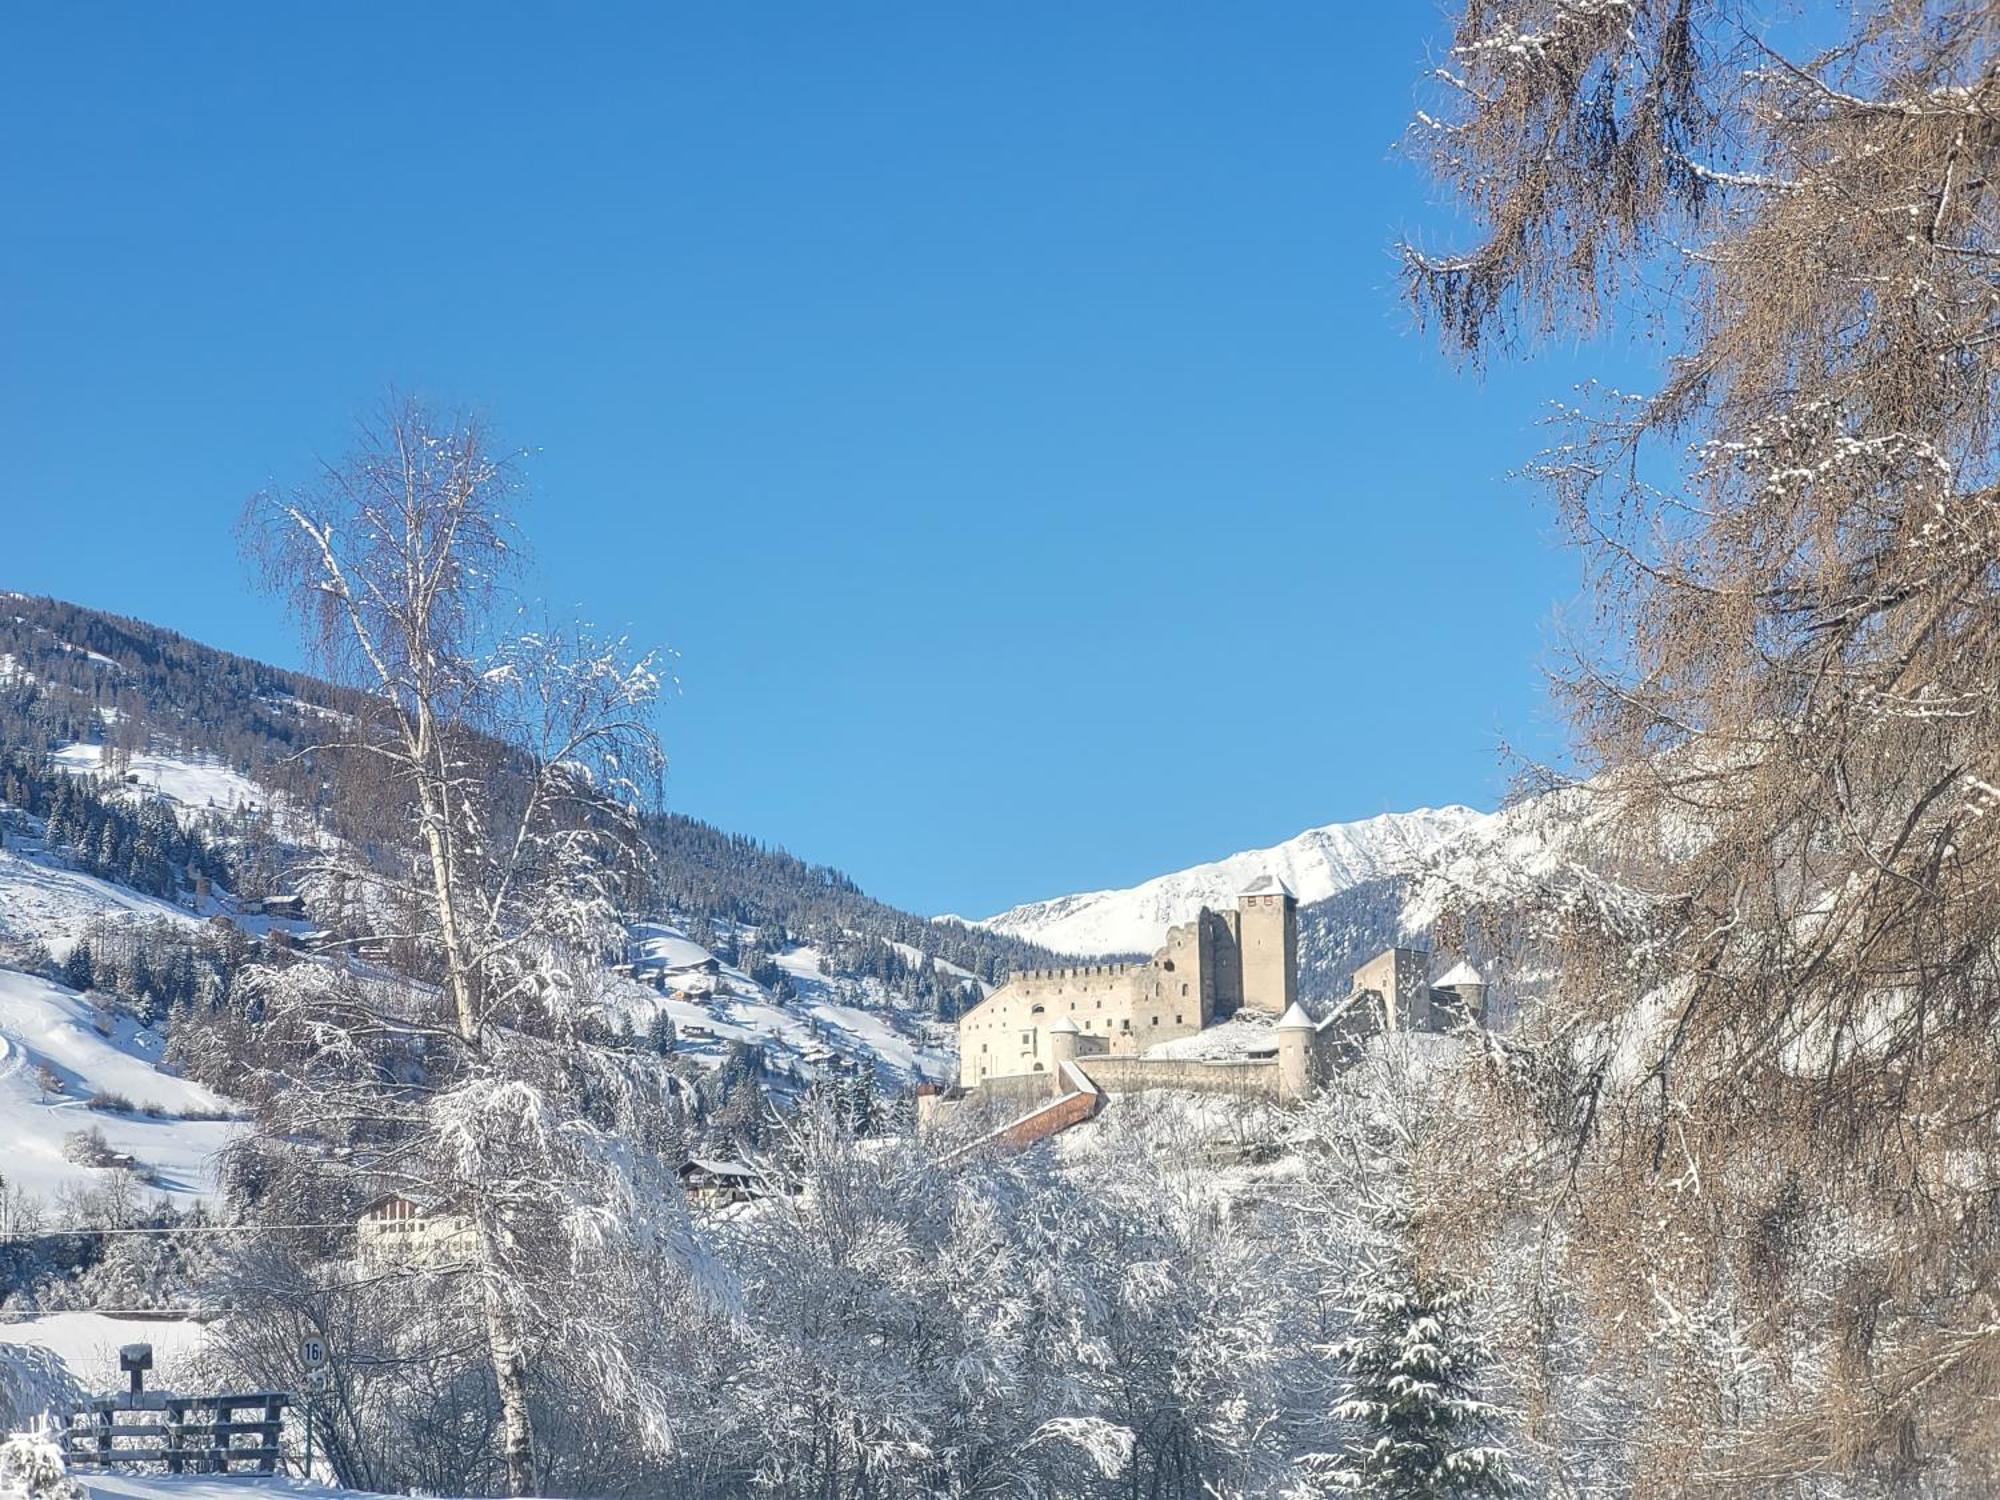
(1078, 1033)
(1210, 968)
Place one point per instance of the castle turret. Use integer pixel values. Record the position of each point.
(1268, 937)
(1297, 1070)
(1063, 1038)
(1461, 993)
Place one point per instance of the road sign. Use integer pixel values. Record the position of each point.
(313, 1353)
(318, 1379)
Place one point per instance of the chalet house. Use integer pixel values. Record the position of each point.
(711, 1184)
(400, 1230)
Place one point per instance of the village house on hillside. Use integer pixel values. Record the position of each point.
(397, 1229)
(711, 1184)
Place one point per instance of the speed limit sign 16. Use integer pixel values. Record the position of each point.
(313, 1353)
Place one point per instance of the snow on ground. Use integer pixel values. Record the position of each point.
(1242, 1034)
(196, 784)
(40, 901)
(211, 1487)
(1317, 864)
(44, 1026)
(87, 1343)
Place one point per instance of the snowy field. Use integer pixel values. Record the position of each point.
(48, 1034)
(196, 785)
(87, 1343)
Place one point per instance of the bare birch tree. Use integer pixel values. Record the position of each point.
(1791, 690)
(522, 763)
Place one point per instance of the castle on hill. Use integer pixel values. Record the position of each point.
(1108, 1019)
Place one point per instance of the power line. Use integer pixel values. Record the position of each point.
(49, 1234)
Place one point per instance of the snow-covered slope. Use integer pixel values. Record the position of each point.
(56, 1055)
(192, 783)
(813, 1021)
(43, 901)
(1318, 865)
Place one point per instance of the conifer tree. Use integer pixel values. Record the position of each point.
(78, 972)
(1411, 1364)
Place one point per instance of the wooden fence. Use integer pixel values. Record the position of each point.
(189, 1434)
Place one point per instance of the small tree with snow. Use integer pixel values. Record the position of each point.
(1411, 1365)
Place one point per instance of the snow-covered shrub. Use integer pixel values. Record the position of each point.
(31, 1465)
(32, 1382)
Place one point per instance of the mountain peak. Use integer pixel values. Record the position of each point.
(1315, 865)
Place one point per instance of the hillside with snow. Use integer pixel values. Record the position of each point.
(83, 1093)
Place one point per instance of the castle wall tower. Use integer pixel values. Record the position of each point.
(1221, 966)
(1268, 937)
(1298, 1060)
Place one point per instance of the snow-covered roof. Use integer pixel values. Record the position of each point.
(717, 1168)
(1296, 1019)
(1267, 885)
(1067, 1023)
(1459, 973)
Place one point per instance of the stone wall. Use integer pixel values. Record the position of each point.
(1056, 1116)
(1256, 1079)
(1007, 1032)
(1401, 977)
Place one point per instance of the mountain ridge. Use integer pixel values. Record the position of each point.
(1321, 864)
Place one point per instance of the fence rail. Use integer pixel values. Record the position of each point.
(189, 1434)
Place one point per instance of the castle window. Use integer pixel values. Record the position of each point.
(1156, 1020)
(1168, 966)
(1183, 989)
(1036, 1010)
(1177, 1020)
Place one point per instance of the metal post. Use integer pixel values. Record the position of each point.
(310, 1403)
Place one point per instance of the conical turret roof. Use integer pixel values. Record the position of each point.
(1267, 885)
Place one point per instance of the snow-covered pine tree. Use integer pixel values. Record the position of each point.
(1412, 1363)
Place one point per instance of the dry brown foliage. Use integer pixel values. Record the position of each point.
(1760, 1093)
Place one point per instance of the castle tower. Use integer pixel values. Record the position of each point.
(1062, 1045)
(1298, 1066)
(1459, 996)
(1268, 938)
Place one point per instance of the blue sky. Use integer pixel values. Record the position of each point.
(1007, 413)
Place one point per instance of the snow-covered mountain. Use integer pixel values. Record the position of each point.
(1319, 865)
